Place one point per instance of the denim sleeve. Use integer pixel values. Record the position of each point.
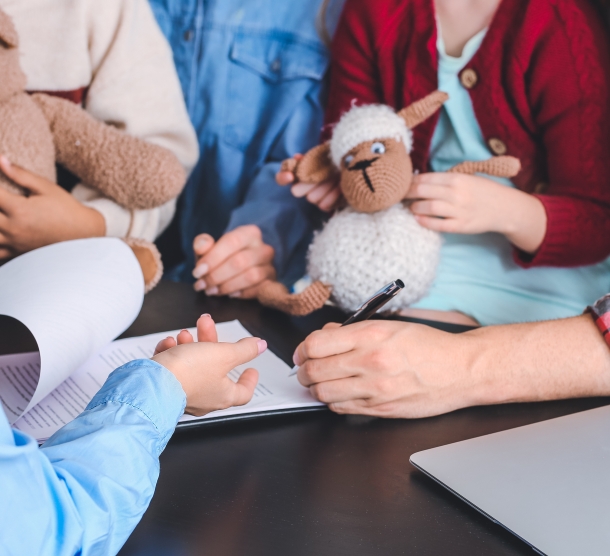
(86, 489)
(286, 222)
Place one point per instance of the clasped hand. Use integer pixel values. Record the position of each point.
(49, 214)
(235, 265)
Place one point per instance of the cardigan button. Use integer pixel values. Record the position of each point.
(469, 78)
(497, 146)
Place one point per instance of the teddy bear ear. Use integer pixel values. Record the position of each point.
(421, 110)
(8, 34)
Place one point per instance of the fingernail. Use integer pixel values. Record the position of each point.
(206, 315)
(212, 291)
(262, 346)
(200, 243)
(296, 358)
(200, 270)
(235, 295)
(199, 286)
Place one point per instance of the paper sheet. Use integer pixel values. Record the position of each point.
(74, 297)
(276, 390)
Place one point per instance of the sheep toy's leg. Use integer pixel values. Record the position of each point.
(277, 296)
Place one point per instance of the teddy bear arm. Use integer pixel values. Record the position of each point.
(276, 295)
(128, 170)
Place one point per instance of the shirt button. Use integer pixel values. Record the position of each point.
(497, 146)
(469, 78)
(188, 35)
(276, 65)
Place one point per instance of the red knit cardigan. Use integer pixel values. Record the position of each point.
(541, 87)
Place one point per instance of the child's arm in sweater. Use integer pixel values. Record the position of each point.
(115, 52)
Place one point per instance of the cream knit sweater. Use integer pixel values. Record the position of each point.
(115, 50)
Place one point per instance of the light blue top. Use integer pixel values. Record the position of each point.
(477, 275)
(253, 76)
(86, 489)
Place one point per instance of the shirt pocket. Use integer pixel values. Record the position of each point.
(269, 74)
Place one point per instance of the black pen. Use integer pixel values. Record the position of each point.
(370, 307)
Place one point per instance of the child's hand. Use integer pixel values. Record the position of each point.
(326, 195)
(202, 367)
(49, 215)
(235, 265)
(465, 204)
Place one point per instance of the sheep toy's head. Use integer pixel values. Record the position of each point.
(13, 79)
(370, 148)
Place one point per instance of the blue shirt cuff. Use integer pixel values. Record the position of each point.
(148, 387)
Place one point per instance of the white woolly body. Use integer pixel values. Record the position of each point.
(358, 253)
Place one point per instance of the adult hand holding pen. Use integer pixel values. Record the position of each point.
(396, 369)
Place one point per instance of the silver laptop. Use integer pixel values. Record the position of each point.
(547, 483)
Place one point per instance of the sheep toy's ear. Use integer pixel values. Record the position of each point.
(8, 34)
(421, 110)
(314, 167)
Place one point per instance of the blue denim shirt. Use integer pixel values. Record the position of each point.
(88, 486)
(253, 75)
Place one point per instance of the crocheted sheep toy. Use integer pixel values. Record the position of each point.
(376, 239)
(37, 131)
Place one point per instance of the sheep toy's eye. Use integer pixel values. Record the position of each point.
(348, 159)
(378, 148)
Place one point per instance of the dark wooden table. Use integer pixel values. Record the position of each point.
(315, 484)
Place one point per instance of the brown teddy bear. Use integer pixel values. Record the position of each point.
(376, 239)
(37, 131)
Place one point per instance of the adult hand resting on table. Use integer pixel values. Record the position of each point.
(202, 367)
(235, 265)
(48, 215)
(396, 369)
(326, 195)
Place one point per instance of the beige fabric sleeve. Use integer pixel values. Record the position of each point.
(136, 87)
(120, 222)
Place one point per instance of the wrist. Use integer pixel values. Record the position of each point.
(94, 223)
(522, 220)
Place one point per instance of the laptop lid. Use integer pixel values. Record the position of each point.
(547, 483)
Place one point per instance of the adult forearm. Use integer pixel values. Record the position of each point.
(538, 361)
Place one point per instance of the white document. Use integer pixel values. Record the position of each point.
(74, 297)
(275, 391)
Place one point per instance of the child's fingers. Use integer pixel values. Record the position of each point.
(329, 203)
(185, 337)
(24, 178)
(434, 207)
(300, 190)
(202, 244)
(285, 178)
(164, 345)
(206, 329)
(443, 225)
(425, 190)
(319, 192)
(243, 389)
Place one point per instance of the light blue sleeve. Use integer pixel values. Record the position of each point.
(86, 489)
(287, 223)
